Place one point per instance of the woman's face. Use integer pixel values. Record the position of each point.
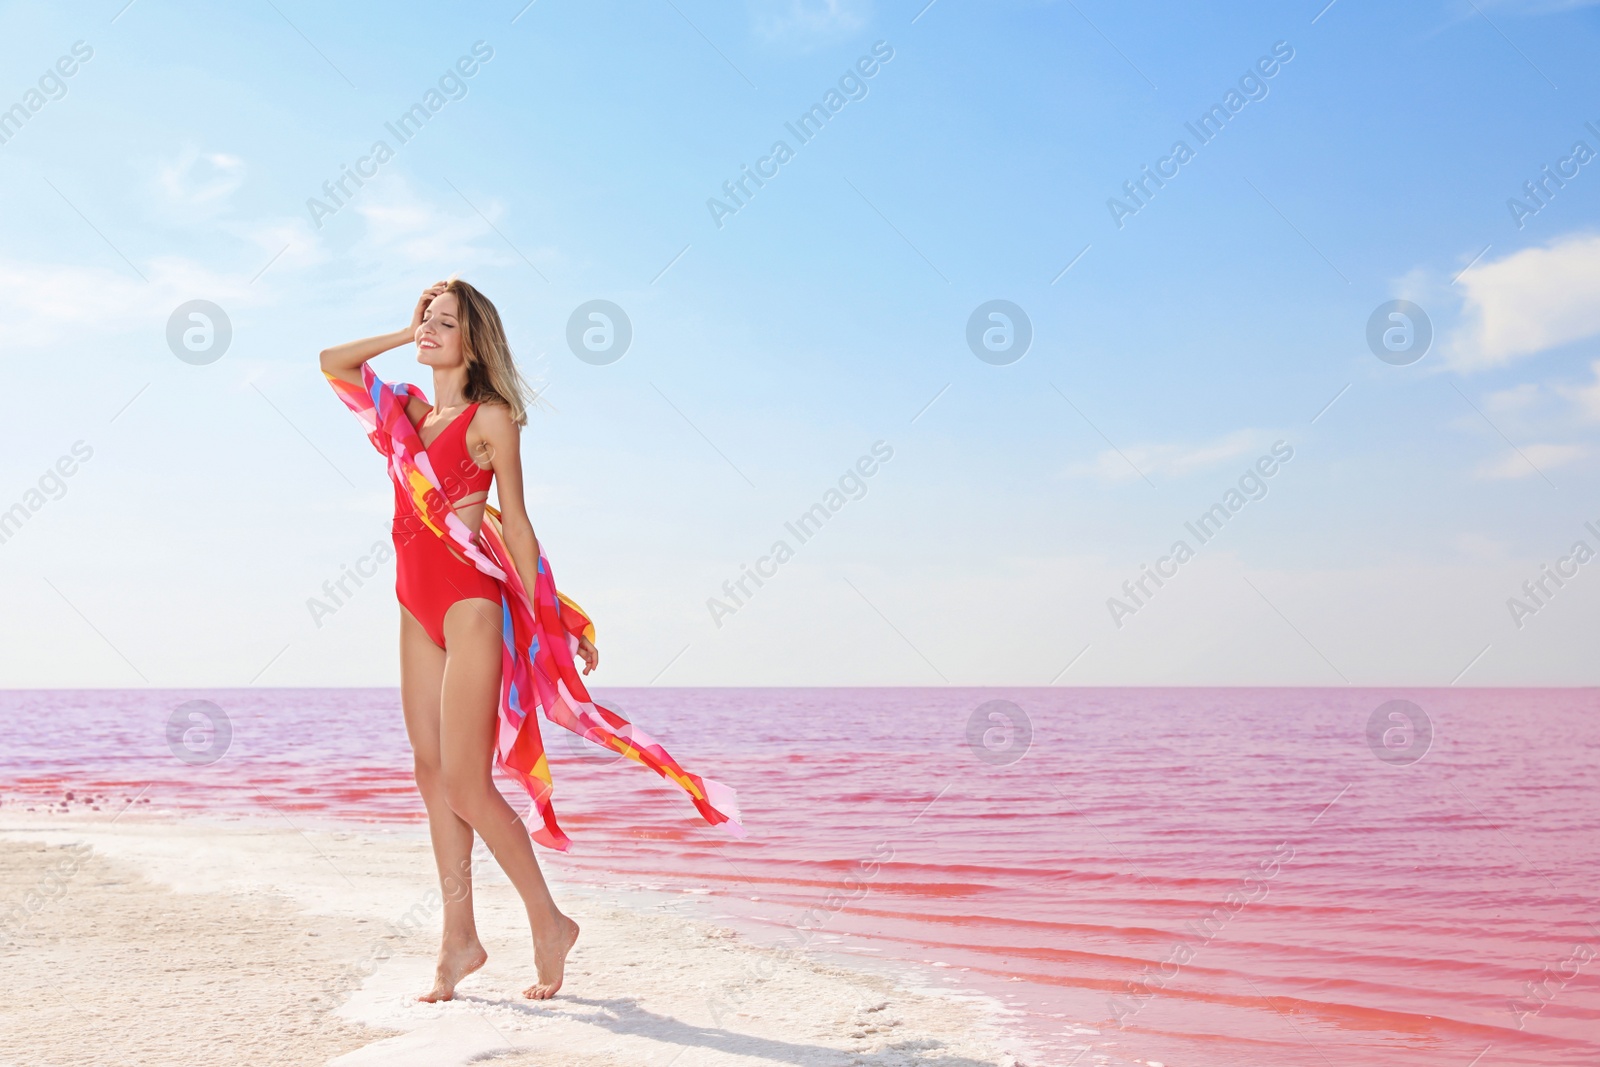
(439, 336)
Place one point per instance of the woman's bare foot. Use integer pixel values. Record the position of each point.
(455, 963)
(551, 962)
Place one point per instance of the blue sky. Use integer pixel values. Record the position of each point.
(771, 352)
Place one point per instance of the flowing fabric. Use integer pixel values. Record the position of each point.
(540, 631)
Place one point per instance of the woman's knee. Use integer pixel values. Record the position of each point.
(468, 799)
(428, 774)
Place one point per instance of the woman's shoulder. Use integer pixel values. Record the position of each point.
(494, 415)
(416, 405)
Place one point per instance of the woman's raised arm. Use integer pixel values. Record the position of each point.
(344, 361)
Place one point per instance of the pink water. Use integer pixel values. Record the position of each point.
(1394, 913)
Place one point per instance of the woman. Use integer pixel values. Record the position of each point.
(464, 572)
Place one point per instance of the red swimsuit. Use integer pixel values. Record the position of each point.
(429, 574)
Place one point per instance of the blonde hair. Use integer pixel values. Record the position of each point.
(492, 374)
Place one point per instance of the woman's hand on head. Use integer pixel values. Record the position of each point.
(423, 301)
(589, 654)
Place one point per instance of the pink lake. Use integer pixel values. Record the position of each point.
(1203, 876)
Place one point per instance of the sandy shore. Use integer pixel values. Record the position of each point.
(150, 942)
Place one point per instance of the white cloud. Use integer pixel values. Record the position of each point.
(200, 179)
(57, 303)
(1544, 457)
(1586, 397)
(402, 228)
(1514, 400)
(808, 19)
(1528, 302)
(1169, 460)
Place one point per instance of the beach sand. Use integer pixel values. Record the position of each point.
(167, 942)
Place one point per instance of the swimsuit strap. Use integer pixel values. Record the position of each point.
(465, 416)
(474, 479)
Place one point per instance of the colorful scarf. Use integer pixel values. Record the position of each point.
(540, 632)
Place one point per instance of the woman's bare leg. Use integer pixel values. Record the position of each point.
(421, 683)
(467, 719)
